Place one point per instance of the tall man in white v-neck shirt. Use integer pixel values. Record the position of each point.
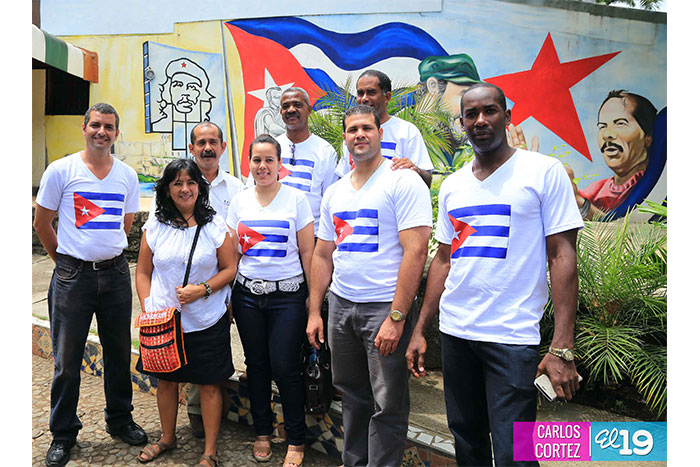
(95, 196)
(402, 142)
(503, 218)
(372, 240)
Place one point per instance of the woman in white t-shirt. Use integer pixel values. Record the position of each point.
(182, 206)
(272, 229)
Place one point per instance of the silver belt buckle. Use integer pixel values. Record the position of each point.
(257, 286)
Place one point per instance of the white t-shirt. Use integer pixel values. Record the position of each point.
(90, 211)
(497, 285)
(267, 236)
(313, 170)
(365, 225)
(171, 250)
(221, 191)
(399, 139)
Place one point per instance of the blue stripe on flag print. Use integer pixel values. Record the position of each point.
(492, 225)
(388, 145)
(94, 225)
(298, 186)
(365, 230)
(101, 196)
(304, 175)
(297, 161)
(276, 233)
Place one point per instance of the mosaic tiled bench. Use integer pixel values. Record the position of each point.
(325, 434)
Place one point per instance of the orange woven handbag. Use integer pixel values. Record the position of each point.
(160, 333)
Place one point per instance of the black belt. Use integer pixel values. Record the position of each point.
(94, 265)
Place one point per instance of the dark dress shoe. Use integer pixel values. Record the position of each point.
(130, 433)
(59, 452)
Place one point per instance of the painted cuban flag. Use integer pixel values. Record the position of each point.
(263, 237)
(297, 173)
(357, 230)
(100, 211)
(481, 231)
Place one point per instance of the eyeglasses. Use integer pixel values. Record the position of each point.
(292, 148)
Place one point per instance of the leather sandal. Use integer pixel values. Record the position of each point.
(154, 450)
(262, 444)
(295, 456)
(208, 461)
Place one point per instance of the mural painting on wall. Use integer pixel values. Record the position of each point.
(630, 133)
(181, 89)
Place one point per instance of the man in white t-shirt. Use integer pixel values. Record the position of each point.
(401, 142)
(373, 239)
(95, 196)
(501, 219)
(308, 161)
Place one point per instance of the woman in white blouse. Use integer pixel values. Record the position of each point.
(272, 227)
(182, 205)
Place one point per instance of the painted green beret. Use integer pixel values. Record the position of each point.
(459, 69)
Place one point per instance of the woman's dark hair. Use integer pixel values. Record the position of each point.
(166, 212)
(265, 138)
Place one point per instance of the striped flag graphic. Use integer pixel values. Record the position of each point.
(297, 175)
(481, 231)
(263, 237)
(357, 230)
(101, 211)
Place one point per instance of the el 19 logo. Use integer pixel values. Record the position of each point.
(639, 441)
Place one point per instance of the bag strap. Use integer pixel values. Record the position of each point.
(189, 261)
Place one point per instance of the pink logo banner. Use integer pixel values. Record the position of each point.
(552, 441)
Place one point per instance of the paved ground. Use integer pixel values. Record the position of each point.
(96, 448)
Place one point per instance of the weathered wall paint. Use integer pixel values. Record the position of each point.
(575, 57)
(38, 129)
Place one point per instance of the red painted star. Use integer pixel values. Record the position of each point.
(85, 210)
(183, 65)
(543, 93)
(342, 229)
(248, 237)
(462, 231)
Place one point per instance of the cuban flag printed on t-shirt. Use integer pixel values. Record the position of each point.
(263, 237)
(388, 152)
(102, 211)
(297, 175)
(357, 230)
(481, 231)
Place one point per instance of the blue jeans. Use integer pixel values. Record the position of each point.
(488, 386)
(272, 328)
(75, 294)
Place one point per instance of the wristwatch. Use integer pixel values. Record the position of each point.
(207, 291)
(566, 354)
(397, 316)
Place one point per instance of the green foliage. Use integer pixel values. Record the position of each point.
(620, 334)
(655, 208)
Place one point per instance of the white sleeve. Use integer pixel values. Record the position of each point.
(304, 214)
(218, 230)
(559, 209)
(150, 230)
(411, 201)
(50, 189)
(417, 151)
(131, 203)
(328, 174)
(325, 222)
(232, 214)
(444, 230)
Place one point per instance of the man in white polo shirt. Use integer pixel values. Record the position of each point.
(373, 239)
(308, 161)
(401, 143)
(95, 196)
(502, 218)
